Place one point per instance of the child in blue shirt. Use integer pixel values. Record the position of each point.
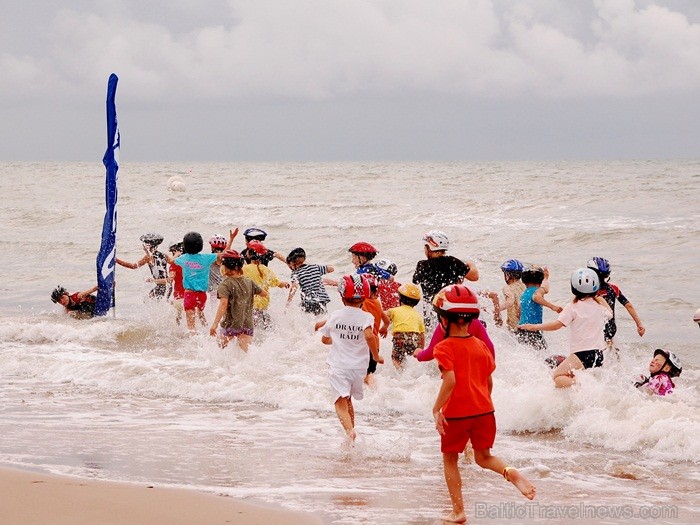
(536, 281)
(195, 275)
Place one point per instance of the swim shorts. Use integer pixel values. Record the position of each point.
(590, 358)
(480, 429)
(347, 382)
(235, 332)
(404, 343)
(194, 300)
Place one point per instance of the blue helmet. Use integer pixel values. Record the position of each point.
(600, 265)
(512, 265)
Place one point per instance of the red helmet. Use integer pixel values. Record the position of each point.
(257, 247)
(363, 248)
(232, 260)
(354, 287)
(456, 299)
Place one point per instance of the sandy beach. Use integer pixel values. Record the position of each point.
(31, 498)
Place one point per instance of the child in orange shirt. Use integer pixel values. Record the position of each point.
(463, 409)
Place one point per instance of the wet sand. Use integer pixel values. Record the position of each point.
(37, 499)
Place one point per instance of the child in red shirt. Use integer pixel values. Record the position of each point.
(463, 409)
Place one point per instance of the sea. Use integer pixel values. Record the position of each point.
(131, 397)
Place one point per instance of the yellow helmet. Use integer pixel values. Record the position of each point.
(410, 290)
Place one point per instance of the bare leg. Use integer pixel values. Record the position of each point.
(223, 340)
(485, 460)
(244, 342)
(563, 375)
(454, 487)
(343, 407)
(351, 411)
(202, 319)
(190, 321)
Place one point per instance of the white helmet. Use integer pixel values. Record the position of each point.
(585, 280)
(436, 241)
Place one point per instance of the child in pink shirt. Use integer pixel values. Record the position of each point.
(663, 366)
(585, 316)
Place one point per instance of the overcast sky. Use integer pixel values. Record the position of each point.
(382, 80)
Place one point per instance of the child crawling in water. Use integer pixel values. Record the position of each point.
(463, 409)
(663, 367)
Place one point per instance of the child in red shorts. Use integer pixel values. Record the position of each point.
(463, 409)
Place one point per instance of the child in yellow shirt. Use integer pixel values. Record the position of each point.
(264, 277)
(408, 328)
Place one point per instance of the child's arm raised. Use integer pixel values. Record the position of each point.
(231, 236)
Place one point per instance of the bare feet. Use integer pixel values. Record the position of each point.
(522, 483)
(454, 517)
(351, 435)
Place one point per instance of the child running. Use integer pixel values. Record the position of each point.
(175, 278)
(663, 367)
(611, 293)
(407, 327)
(349, 332)
(388, 288)
(195, 276)
(235, 295)
(157, 264)
(309, 279)
(463, 409)
(218, 244)
(536, 281)
(512, 271)
(586, 316)
(264, 277)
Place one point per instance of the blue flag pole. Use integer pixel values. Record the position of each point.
(108, 249)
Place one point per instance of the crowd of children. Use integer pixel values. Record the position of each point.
(374, 303)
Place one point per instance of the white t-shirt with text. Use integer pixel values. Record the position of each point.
(346, 329)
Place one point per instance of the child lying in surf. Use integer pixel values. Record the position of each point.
(663, 366)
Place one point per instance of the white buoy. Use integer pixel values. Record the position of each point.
(176, 184)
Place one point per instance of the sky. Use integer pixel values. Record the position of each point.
(351, 80)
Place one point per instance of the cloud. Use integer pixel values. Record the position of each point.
(322, 49)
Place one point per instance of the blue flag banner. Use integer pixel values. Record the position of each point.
(108, 250)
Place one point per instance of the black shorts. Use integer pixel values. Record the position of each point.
(590, 358)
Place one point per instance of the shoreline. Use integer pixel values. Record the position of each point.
(37, 498)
